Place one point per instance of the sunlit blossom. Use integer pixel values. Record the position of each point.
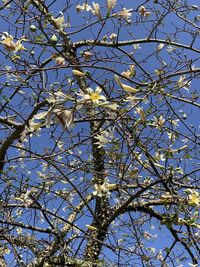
(64, 117)
(92, 96)
(87, 55)
(159, 156)
(111, 4)
(130, 72)
(127, 88)
(143, 12)
(160, 46)
(59, 60)
(19, 46)
(78, 73)
(90, 227)
(141, 112)
(10, 45)
(84, 7)
(96, 10)
(193, 197)
(113, 36)
(102, 189)
(104, 137)
(60, 21)
(124, 13)
(136, 46)
(133, 99)
(158, 122)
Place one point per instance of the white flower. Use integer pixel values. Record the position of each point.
(159, 156)
(159, 122)
(60, 21)
(175, 122)
(170, 49)
(182, 82)
(65, 117)
(59, 60)
(19, 231)
(87, 55)
(78, 73)
(136, 46)
(143, 12)
(104, 137)
(34, 126)
(130, 72)
(193, 197)
(96, 10)
(133, 99)
(124, 13)
(113, 36)
(10, 45)
(111, 4)
(91, 96)
(84, 7)
(128, 89)
(160, 46)
(102, 189)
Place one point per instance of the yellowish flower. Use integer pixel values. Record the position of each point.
(10, 45)
(60, 21)
(87, 55)
(194, 197)
(78, 73)
(90, 227)
(92, 96)
(84, 7)
(79, 8)
(34, 126)
(181, 82)
(159, 122)
(59, 60)
(129, 89)
(143, 12)
(130, 72)
(96, 10)
(111, 4)
(140, 111)
(125, 87)
(102, 189)
(124, 13)
(19, 46)
(160, 46)
(113, 36)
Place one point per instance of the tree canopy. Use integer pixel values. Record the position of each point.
(99, 123)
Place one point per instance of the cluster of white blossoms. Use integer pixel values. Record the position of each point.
(95, 9)
(104, 137)
(9, 44)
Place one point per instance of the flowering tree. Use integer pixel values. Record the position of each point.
(99, 137)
